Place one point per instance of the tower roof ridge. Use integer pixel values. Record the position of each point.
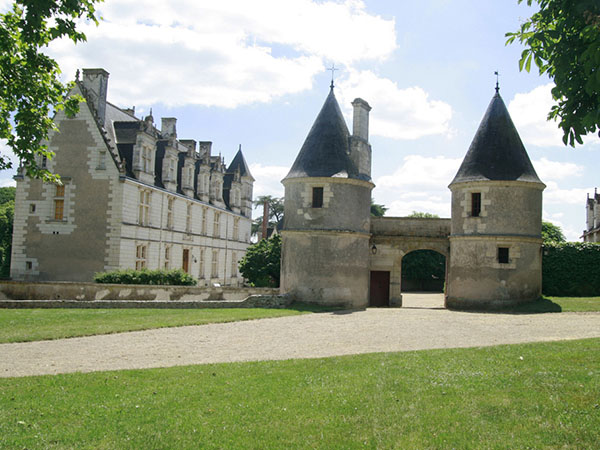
(325, 150)
(496, 152)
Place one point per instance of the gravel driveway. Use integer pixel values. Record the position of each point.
(421, 324)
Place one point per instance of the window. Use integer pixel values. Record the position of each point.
(144, 208)
(167, 256)
(204, 213)
(317, 197)
(475, 204)
(28, 265)
(233, 265)
(215, 263)
(503, 255)
(59, 202)
(217, 225)
(236, 229)
(172, 169)
(201, 264)
(140, 256)
(188, 219)
(102, 160)
(170, 206)
(146, 159)
(32, 208)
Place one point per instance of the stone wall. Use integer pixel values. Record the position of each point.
(92, 292)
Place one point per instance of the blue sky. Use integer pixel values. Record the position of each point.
(254, 73)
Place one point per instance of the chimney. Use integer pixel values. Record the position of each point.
(95, 81)
(360, 120)
(204, 148)
(168, 127)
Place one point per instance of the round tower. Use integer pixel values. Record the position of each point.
(326, 228)
(495, 240)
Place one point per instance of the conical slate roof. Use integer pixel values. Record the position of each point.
(325, 150)
(240, 162)
(496, 152)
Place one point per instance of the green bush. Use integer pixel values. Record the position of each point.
(571, 269)
(175, 277)
(261, 264)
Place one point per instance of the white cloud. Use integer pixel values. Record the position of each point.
(529, 112)
(397, 113)
(420, 171)
(554, 194)
(226, 53)
(556, 170)
(268, 179)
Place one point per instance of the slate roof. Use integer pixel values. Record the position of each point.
(325, 150)
(496, 152)
(240, 162)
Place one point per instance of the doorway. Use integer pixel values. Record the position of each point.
(379, 288)
(186, 260)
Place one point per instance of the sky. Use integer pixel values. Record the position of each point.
(254, 73)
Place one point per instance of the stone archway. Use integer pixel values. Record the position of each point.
(423, 271)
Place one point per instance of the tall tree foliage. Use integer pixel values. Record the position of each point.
(563, 40)
(7, 212)
(377, 210)
(275, 212)
(552, 233)
(30, 87)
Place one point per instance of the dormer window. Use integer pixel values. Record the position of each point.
(317, 197)
(475, 204)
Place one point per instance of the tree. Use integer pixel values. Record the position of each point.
(563, 39)
(275, 212)
(552, 233)
(377, 210)
(423, 215)
(7, 212)
(30, 88)
(262, 261)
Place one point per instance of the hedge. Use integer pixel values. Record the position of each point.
(571, 269)
(175, 277)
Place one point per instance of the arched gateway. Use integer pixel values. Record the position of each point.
(335, 253)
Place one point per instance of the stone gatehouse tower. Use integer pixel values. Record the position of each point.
(326, 232)
(334, 253)
(495, 237)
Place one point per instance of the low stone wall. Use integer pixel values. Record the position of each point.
(65, 294)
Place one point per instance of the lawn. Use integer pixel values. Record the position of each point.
(544, 395)
(24, 325)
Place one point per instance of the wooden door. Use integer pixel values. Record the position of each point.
(380, 288)
(186, 260)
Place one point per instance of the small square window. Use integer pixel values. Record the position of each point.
(28, 265)
(503, 255)
(32, 208)
(475, 204)
(317, 197)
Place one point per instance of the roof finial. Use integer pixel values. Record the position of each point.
(497, 85)
(333, 69)
(240, 149)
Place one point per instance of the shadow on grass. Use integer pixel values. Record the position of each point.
(542, 305)
(308, 307)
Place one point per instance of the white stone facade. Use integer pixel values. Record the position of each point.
(592, 218)
(114, 211)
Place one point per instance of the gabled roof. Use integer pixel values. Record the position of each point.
(496, 152)
(239, 162)
(325, 150)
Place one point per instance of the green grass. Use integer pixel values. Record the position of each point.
(508, 397)
(560, 304)
(24, 325)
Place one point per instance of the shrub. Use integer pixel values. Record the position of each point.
(571, 269)
(261, 264)
(175, 277)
